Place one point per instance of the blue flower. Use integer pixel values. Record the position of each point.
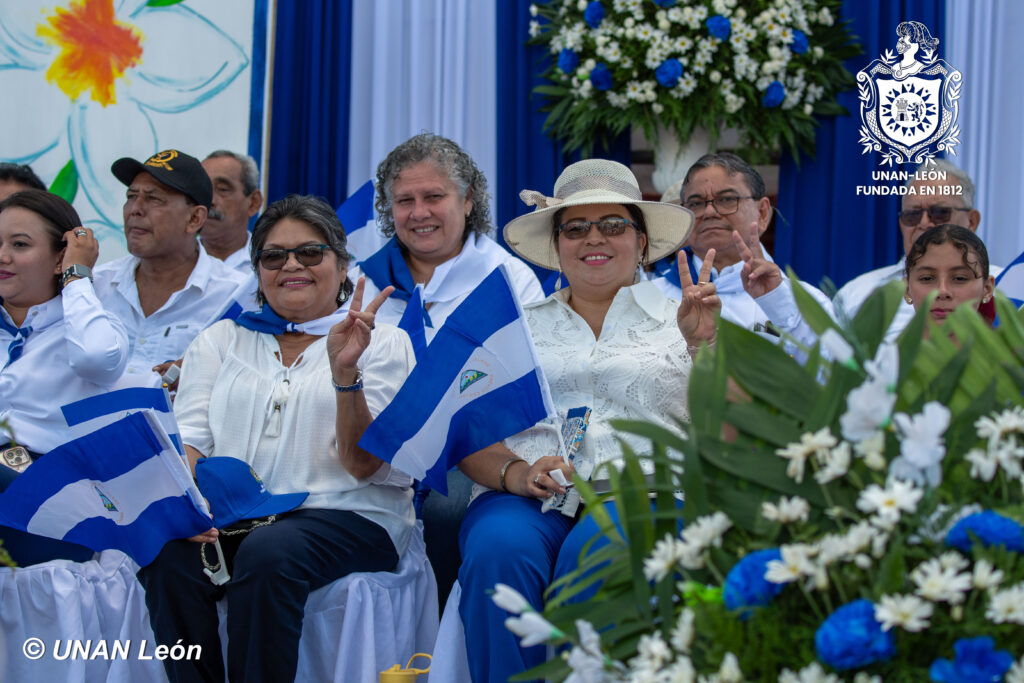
(774, 95)
(664, 3)
(669, 73)
(977, 661)
(799, 44)
(594, 14)
(745, 585)
(601, 77)
(719, 27)
(568, 61)
(850, 638)
(990, 528)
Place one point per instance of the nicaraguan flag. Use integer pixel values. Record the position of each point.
(1011, 281)
(89, 414)
(123, 486)
(414, 324)
(357, 217)
(478, 382)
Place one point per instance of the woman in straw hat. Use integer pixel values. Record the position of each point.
(610, 341)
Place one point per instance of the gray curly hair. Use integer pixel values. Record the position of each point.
(452, 160)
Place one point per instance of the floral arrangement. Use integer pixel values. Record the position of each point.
(764, 67)
(855, 517)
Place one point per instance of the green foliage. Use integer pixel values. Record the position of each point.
(65, 185)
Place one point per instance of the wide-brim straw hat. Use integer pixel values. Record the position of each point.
(594, 181)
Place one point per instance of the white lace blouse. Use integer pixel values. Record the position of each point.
(637, 369)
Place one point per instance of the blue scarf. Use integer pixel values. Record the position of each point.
(267, 321)
(668, 268)
(387, 267)
(17, 346)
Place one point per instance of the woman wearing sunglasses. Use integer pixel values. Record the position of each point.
(610, 341)
(288, 389)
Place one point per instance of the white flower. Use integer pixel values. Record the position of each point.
(1000, 425)
(794, 509)
(889, 502)
(1010, 457)
(707, 531)
(663, 558)
(983, 465)
(715, 76)
(953, 560)
(682, 634)
(825, 16)
(652, 652)
(534, 29)
(533, 10)
(532, 628)
(581, 5)
(795, 563)
(586, 660)
(818, 51)
(885, 366)
(909, 612)
(1016, 672)
(872, 449)
(837, 464)
(657, 108)
(1007, 606)
(986, 576)
(96, 82)
(863, 677)
(510, 600)
(812, 673)
(681, 671)
(921, 446)
(868, 408)
(938, 584)
(798, 452)
(837, 347)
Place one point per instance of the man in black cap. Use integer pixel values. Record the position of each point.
(168, 288)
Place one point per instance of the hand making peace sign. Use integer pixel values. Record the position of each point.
(759, 275)
(348, 339)
(700, 303)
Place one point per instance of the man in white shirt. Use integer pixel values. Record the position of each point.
(729, 201)
(168, 288)
(927, 204)
(236, 199)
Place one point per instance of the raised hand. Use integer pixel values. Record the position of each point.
(700, 302)
(348, 339)
(82, 248)
(759, 275)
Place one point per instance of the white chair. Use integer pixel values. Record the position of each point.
(353, 628)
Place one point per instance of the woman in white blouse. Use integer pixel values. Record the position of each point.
(612, 342)
(57, 344)
(289, 390)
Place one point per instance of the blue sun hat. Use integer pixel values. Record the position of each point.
(235, 492)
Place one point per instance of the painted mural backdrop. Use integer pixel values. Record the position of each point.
(85, 82)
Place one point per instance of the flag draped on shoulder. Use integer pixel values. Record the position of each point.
(413, 322)
(1011, 281)
(123, 486)
(357, 217)
(477, 383)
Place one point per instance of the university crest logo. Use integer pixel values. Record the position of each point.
(909, 101)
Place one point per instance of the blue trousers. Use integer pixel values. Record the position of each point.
(273, 570)
(507, 539)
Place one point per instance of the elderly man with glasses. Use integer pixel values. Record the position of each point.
(728, 199)
(933, 202)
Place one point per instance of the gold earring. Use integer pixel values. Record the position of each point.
(985, 299)
(906, 297)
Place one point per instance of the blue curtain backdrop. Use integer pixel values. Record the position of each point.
(310, 102)
(829, 229)
(528, 158)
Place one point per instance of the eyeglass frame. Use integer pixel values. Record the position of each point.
(929, 209)
(714, 202)
(294, 250)
(628, 223)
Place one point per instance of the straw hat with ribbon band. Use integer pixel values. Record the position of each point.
(236, 492)
(594, 181)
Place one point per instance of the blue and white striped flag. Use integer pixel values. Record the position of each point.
(479, 381)
(1011, 281)
(124, 486)
(359, 220)
(89, 414)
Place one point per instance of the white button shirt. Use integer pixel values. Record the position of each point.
(76, 349)
(240, 260)
(165, 334)
(777, 306)
(231, 381)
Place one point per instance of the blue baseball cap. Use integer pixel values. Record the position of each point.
(236, 492)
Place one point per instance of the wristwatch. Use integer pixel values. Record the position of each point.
(76, 270)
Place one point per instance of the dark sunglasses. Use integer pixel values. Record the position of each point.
(609, 227)
(306, 255)
(936, 214)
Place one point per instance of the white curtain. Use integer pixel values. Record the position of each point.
(983, 41)
(421, 65)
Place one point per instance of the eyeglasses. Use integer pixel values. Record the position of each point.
(306, 255)
(729, 204)
(609, 227)
(936, 214)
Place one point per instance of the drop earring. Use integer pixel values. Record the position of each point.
(906, 297)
